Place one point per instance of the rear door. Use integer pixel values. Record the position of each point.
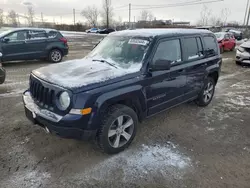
(196, 65)
(15, 48)
(36, 43)
(227, 43)
(166, 88)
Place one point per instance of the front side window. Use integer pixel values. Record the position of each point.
(168, 50)
(123, 51)
(227, 37)
(17, 36)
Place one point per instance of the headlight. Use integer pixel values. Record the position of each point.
(64, 100)
(241, 49)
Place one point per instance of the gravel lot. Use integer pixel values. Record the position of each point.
(187, 146)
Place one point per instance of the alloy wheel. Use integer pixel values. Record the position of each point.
(121, 130)
(208, 92)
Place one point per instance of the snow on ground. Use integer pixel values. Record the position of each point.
(235, 98)
(28, 179)
(140, 165)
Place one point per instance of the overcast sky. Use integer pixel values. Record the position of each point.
(61, 10)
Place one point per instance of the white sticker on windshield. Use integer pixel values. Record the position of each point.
(138, 42)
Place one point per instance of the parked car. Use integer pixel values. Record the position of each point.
(129, 76)
(92, 30)
(243, 53)
(32, 43)
(226, 41)
(106, 31)
(237, 34)
(2, 71)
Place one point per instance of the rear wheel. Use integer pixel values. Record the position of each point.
(222, 50)
(207, 93)
(118, 129)
(55, 56)
(233, 48)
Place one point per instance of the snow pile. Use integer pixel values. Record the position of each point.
(148, 163)
(82, 72)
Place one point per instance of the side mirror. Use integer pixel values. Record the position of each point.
(161, 64)
(5, 39)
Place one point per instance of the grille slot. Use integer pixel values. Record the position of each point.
(42, 95)
(248, 50)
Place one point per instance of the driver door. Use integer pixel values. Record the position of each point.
(14, 48)
(166, 88)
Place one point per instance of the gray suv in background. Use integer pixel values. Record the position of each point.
(33, 43)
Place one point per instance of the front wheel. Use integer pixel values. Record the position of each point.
(118, 129)
(55, 56)
(207, 93)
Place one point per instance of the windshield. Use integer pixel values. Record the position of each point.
(122, 51)
(219, 35)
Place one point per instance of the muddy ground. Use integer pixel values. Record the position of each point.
(187, 146)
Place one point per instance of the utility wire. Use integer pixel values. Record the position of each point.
(176, 5)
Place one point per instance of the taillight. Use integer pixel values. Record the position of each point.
(64, 40)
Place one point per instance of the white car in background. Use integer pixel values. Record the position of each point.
(243, 53)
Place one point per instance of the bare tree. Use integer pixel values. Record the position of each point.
(107, 12)
(224, 15)
(12, 18)
(204, 16)
(30, 15)
(91, 14)
(215, 21)
(146, 15)
(1, 17)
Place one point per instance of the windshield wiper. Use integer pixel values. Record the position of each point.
(104, 61)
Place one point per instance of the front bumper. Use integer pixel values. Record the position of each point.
(243, 57)
(2, 75)
(60, 125)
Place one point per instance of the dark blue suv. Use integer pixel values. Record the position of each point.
(33, 43)
(127, 77)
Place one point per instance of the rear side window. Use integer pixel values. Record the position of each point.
(193, 48)
(37, 34)
(210, 44)
(52, 34)
(169, 50)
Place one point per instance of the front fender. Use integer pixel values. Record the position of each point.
(133, 94)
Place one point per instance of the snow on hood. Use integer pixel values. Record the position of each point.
(246, 44)
(82, 72)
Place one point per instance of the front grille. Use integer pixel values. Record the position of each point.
(42, 95)
(248, 50)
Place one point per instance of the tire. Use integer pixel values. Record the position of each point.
(55, 56)
(222, 50)
(110, 131)
(238, 62)
(209, 88)
(233, 48)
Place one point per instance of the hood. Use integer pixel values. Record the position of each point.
(246, 44)
(82, 72)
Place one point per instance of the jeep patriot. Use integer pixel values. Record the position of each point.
(129, 76)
